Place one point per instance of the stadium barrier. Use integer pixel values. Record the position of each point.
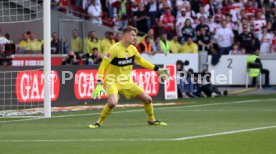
(234, 67)
(71, 85)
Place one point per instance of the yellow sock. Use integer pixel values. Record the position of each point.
(149, 110)
(105, 112)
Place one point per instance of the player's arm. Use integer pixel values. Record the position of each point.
(104, 64)
(163, 72)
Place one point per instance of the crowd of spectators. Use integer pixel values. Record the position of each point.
(188, 26)
(219, 27)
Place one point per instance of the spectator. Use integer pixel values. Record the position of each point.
(241, 23)
(246, 39)
(55, 44)
(152, 11)
(163, 4)
(214, 26)
(141, 18)
(146, 46)
(273, 44)
(65, 45)
(265, 39)
(174, 45)
(237, 6)
(210, 8)
(201, 13)
(181, 21)
(86, 4)
(63, 5)
(55, 4)
(95, 13)
(219, 3)
(250, 9)
(215, 56)
(71, 59)
(258, 23)
(224, 38)
(269, 26)
(134, 6)
(118, 37)
(35, 44)
(207, 88)
(156, 46)
(107, 42)
(229, 23)
(180, 5)
(195, 5)
(122, 15)
(87, 41)
(190, 13)
(24, 44)
(3, 39)
(181, 76)
(235, 50)
(226, 7)
(189, 46)
(76, 42)
(165, 44)
(204, 41)
(255, 59)
(202, 24)
(187, 31)
(7, 36)
(112, 10)
(151, 34)
(93, 43)
(92, 58)
(167, 22)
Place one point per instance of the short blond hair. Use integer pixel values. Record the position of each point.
(129, 29)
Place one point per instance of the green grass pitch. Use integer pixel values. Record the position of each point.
(225, 125)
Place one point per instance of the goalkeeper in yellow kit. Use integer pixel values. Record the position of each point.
(114, 77)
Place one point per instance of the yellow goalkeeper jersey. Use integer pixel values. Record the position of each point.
(118, 62)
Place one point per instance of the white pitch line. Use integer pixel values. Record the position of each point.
(224, 133)
(87, 140)
(214, 104)
(138, 110)
(137, 140)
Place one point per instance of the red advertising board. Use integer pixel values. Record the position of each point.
(72, 84)
(84, 84)
(85, 81)
(171, 84)
(30, 86)
(147, 79)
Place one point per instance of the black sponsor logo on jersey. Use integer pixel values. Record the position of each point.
(123, 61)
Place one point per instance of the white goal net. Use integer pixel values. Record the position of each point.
(21, 21)
(17, 98)
(20, 10)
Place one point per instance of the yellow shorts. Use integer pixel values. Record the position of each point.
(129, 90)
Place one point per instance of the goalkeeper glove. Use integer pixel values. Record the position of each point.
(98, 91)
(163, 73)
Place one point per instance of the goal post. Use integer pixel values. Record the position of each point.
(47, 57)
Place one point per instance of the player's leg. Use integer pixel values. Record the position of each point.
(148, 106)
(112, 100)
